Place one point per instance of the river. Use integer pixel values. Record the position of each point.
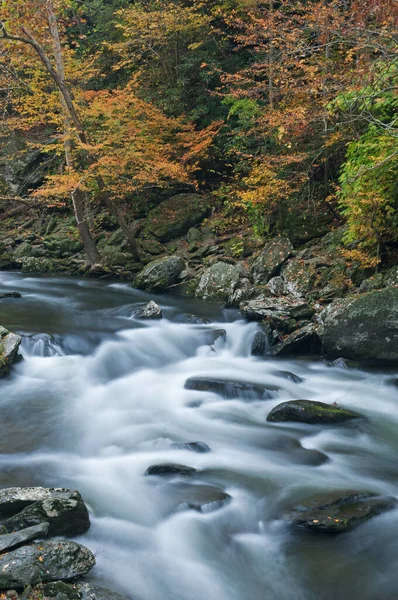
(99, 397)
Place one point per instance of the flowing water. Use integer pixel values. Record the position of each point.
(99, 397)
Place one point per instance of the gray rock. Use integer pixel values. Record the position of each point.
(9, 346)
(363, 328)
(9, 541)
(288, 375)
(231, 389)
(310, 412)
(259, 344)
(149, 311)
(299, 276)
(219, 281)
(175, 216)
(338, 512)
(277, 287)
(198, 447)
(45, 561)
(275, 253)
(264, 307)
(303, 341)
(64, 510)
(167, 469)
(204, 498)
(160, 274)
(11, 295)
(95, 592)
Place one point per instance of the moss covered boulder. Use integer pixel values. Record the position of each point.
(363, 328)
(160, 274)
(310, 412)
(9, 345)
(175, 216)
(219, 281)
(338, 512)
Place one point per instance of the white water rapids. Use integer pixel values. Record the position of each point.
(99, 397)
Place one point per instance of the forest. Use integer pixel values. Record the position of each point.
(284, 112)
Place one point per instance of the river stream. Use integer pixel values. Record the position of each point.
(99, 397)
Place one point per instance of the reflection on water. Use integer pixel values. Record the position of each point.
(99, 397)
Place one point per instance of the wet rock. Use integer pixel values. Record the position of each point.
(288, 375)
(196, 320)
(149, 311)
(9, 541)
(231, 389)
(274, 254)
(363, 328)
(259, 344)
(310, 412)
(175, 216)
(11, 295)
(64, 510)
(264, 307)
(45, 561)
(160, 274)
(198, 447)
(167, 469)
(9, 345)
(95, 592)
(219, 281)
(204, 499)
(339, 512)
(303, 341)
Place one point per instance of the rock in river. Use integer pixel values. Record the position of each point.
(363, 327)
(313, 413)
(166, 469)
(64, 510)
(231, 389)
(204, 498)
(60, 590)
(198, 447)
(160, 274)
(303, 341)
(45, 561)
(149, 311)
(9, 345)
(338, 512)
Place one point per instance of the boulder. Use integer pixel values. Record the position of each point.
(63, 510)
(11, 295)
(9, 345)
(273, 256)
(167, 469)
(363, 328)
(219, 281)
(288, 375)
(198, 447)
(50, 560)
(231, 389)
(95, 592)
(175, 216)
(264, 307)
(299, 276)
(9, 541)
(160, 274)
(310, 412)
(149, 311)
(259, 345)
(338, 512)
(204, 498)
(152, 247)
(305, 340)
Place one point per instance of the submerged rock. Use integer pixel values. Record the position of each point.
(9, 541)
(288, 375)
(311, 412)
(149, 311)
(198, 447)
(45, 561)
(363, 328)
(259, 344)
(338, 512)
(204, 498)
(231, 389)
(160, 274)
(273, 256)
(63, 510)
(9, 346)
(11, 295)
(170, 469)
(303, 341)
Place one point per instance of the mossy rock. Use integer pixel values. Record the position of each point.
(24, 249)
(219, 281)
(160, 274)
(62, 247)
(310, 412)
(175, 216)
(152, 247)
(9, 346)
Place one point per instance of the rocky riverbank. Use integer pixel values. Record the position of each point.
(306, 296)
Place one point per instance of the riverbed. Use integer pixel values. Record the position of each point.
(99, 397)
